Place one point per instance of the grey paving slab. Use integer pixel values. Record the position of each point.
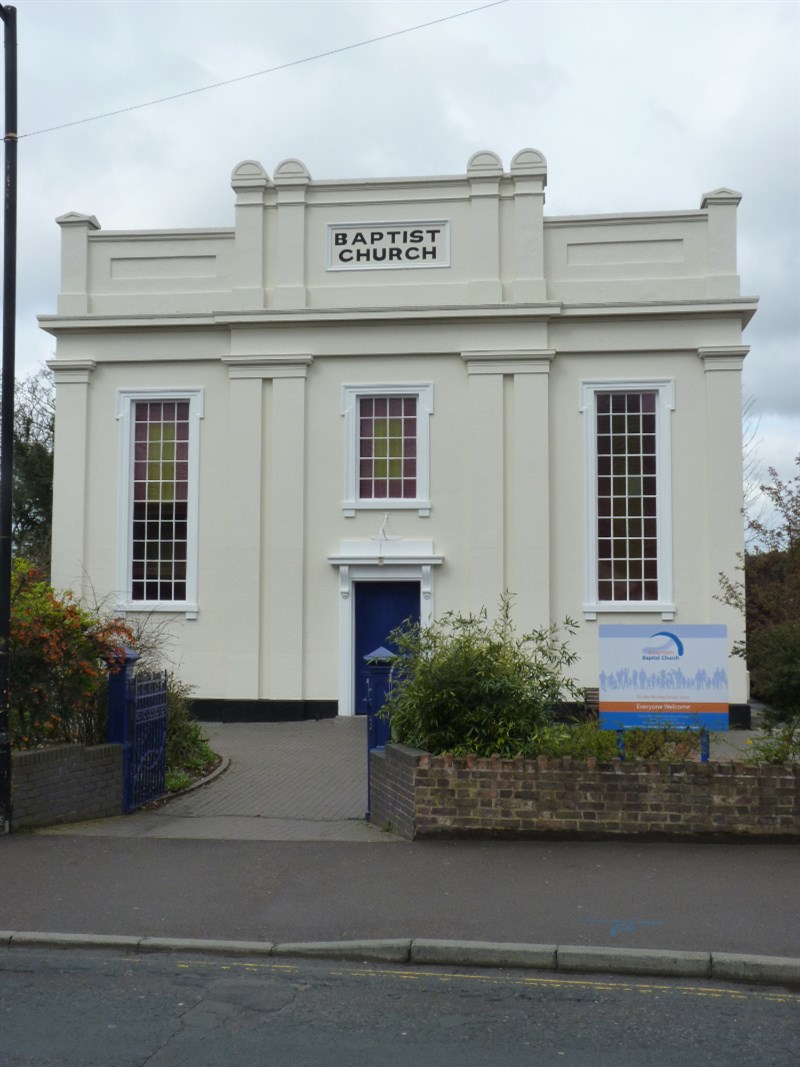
(161, 826)
(732, 745)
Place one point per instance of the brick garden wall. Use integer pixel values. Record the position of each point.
(392, 777)
(65, 783)
(424, 795)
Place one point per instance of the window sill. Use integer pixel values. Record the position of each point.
(350, 507)
(173, 608)
(650, 607)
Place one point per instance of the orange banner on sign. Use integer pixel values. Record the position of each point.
(664, 707)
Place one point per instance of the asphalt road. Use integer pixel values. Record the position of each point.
(705, 897)
(95, 1009)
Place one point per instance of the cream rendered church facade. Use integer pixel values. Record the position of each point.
(377, 398)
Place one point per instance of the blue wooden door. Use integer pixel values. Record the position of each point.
(380, 607)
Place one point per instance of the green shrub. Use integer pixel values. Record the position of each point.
(779, 744)
(60, 651)
(188, 752)
(467, 685)
(585, 738)
(773, 656)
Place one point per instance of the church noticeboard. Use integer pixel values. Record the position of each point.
(673, 676)
(387, 246)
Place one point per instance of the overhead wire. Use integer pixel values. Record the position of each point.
(268, 70)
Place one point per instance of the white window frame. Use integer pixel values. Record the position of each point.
(665, 405)
(126, 398)
(351, 396)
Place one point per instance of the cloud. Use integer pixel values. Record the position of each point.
(637, 107)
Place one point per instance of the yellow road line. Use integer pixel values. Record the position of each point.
(442, 978)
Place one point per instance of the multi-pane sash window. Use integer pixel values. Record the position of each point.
(160, 500)
(627, 501)
(387, 466)
(628, 496)
(387, 446)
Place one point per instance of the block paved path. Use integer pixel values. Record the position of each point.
(300, 781)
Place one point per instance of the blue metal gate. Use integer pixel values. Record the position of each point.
(137, 720)
(146, 777)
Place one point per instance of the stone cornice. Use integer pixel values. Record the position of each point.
(624, 218)
(509, 361)
(744, 307)
(144, 236)
(71, 371)
(723, 357)
(263, 367)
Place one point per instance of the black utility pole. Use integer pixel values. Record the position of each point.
(9, 17)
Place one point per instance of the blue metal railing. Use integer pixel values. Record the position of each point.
(137, 720)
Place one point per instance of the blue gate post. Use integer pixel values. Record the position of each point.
(704, 748)
(621, 744)
(119, 713)
(379, 730)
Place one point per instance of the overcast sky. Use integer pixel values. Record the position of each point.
(637, 107)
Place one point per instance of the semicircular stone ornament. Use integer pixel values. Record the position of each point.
(291, 170)
(248, 173)
(528, 161)
(485, 164)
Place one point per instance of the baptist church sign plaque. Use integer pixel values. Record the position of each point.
(381, 246)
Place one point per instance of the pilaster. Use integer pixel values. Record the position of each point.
(291, 180)
(721, 205)
(723, 379)
(244, 478)
(73, 298)
(529, 171)
(485, 476)
(250, 181)
(267, 528)
(70, 454)
(485, 171)
(530, 505)
(286, 582)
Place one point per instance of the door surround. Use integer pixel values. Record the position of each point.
(379, 559)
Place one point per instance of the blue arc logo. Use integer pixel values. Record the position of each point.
(673, 645)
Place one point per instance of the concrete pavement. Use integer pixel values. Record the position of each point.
(275, 852)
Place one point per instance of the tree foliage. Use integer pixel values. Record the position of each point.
(32, 508)
(772, 589)
(782, 532)
(468, 685)
(767, 588)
